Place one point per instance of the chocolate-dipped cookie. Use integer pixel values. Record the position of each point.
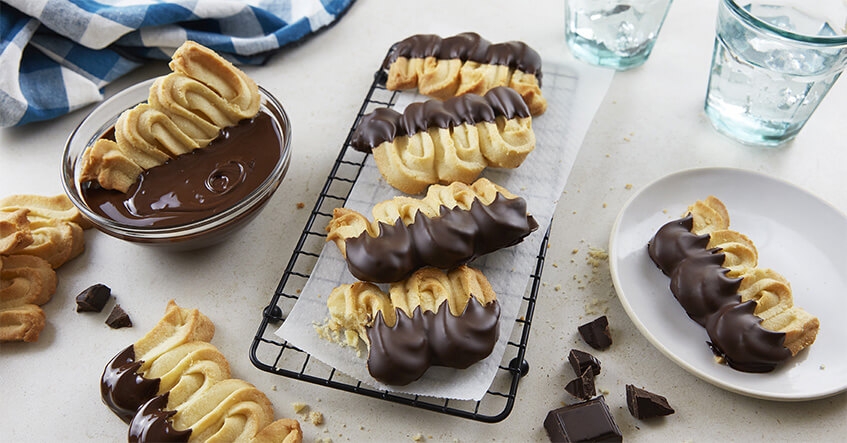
(747, 311)
(465, 63)
(433, 318)
(449, 227)
(173, 385)
(442, 142)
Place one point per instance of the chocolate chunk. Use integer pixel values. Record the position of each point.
(596, 333)
(581, 360)
(118, 318)
(93, 299)
(643, 404)
(581, 422)
(582, 386)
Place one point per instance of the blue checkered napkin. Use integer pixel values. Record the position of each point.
(56, 55)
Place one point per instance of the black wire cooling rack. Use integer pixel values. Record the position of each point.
(269, 353)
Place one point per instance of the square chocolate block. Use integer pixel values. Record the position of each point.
(583, 422)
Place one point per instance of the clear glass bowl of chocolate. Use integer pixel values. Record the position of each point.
(193, 200)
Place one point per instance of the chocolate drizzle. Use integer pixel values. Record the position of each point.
(468, 46)
(700, 283)
(153, 424)
(453, 238)
(122, 389)
(385, 124)
(400, 354)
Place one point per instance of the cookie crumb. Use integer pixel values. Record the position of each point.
(418, 437)
(300, 408)
(316, 418)
(301, 205)
(628, 186)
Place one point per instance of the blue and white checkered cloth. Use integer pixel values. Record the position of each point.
(56, 55)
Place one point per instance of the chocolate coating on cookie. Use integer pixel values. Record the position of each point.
(737, 335)
(674, 242)
(153, 424)
(468, 46)
(453, 238)
(385, 124)
(122, 388)
(701, 286)
(400, 354)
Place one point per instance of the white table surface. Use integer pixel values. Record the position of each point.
(650, 124)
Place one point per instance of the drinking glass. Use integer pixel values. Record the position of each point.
(773, 63)
(618, 34)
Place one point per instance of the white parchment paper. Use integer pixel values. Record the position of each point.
(574, 92)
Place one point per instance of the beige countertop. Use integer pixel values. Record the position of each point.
(649, 124)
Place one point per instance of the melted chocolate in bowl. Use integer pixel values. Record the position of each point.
(199, 184)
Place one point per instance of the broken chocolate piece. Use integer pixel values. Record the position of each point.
(582, 386)
(643, 404)
(581, 360)
(586, 421)
(93, 299)
(118, 318)
(596, 333)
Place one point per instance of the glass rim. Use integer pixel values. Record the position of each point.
(794, 36)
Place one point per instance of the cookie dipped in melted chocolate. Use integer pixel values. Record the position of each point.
(453, 238)
(400, 354)
(385, 124)
(199, 184)
(468, 46)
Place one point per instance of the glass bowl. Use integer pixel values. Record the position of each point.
(190, 235)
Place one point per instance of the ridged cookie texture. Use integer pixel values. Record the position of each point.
(748, 312)
(26, 283)
(185, 110)
(452, 225)
(173, 385)
(37, 234)
(433, 318)
(442, 142)
(465, 63)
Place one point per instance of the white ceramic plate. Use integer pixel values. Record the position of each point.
(796, 234)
